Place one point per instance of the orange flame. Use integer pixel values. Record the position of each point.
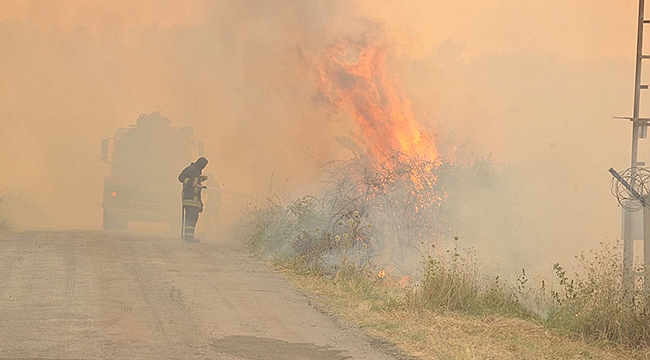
(354, 76)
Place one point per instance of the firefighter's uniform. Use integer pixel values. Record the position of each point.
(191, 178)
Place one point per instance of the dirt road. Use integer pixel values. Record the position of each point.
(102, 295)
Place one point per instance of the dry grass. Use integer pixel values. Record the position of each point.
(451, 280)
(430, 334)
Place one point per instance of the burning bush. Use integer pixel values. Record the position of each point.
(383, 214)
(390, 207)
(381, 221)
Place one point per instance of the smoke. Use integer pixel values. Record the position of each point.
(549, 123)
(535, 84)
(235, 73)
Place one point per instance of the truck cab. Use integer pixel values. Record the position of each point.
(145, 161)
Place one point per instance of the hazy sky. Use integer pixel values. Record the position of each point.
(535, 83)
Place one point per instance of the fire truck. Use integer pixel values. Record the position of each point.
(145, 160)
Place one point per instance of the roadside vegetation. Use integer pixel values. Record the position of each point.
(375, 249)
(596, 304)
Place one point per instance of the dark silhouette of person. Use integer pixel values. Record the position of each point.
(192, 180)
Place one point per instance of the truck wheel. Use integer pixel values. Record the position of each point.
(115, 222)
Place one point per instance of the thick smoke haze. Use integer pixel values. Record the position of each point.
(535, 83)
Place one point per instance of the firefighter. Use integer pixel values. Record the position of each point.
(192, 179)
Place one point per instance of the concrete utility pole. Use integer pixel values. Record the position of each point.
(639, 130)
